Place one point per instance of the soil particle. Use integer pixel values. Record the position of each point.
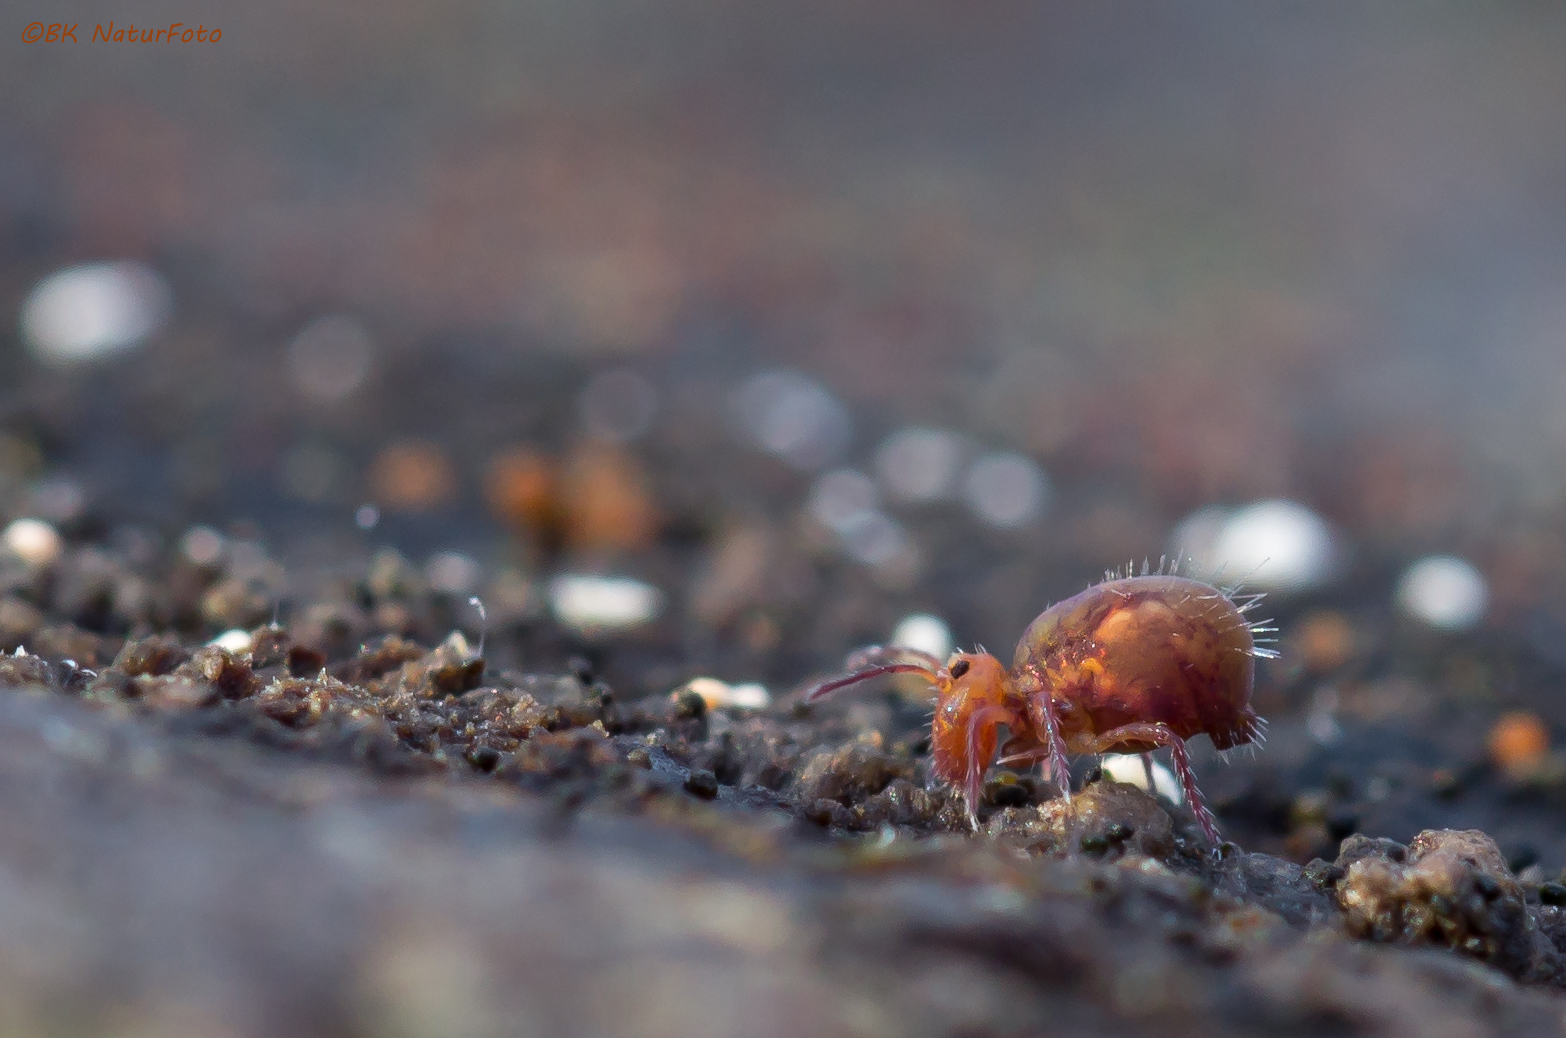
(26, 671)
(150, 657)
(1286, 888)
(1107, 910)
(235, 603)
(449, 670)
(1447, 889)
(231, 676)
(702, 784)
(848, 774)
(1105, 818)
(69, 642)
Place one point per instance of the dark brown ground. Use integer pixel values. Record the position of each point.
(1178, 258)
(403, 842)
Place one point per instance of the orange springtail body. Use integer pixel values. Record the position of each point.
(1127, 666)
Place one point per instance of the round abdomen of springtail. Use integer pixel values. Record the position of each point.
(1159, 649)
(1130, 665)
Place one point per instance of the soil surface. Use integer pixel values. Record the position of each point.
(406, 624)
(403, 839)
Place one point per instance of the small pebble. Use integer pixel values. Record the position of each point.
(1444, 592)
(236, 641)
(718, 695)
(1127, 767)
(1273, 545)
(924, 632)
(452, 573)
(33, 541)
(1006, 490)
(600, 604)
(689, 706)
(93, 311)
(793, 418)
(713, 693)
(484, 758)
(841, 498)
(875, 539)
(702, 783)
(330, 358)
(918, 464)
(750, 696)
(202, 545)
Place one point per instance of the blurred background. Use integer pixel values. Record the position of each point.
(705, 339)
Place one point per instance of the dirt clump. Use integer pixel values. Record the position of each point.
(1448, 889)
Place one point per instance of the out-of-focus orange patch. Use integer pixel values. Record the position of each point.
(522, 489)
(412, 476)
(607, 505)
(1325, 641)
(1519, 742)
(595, 499)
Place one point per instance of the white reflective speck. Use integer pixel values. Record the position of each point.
(452, 573)
(720, 695)
(924, 632)
(750, 696)
(1443, 591)
(235, 641)
(1272, 545)
(874, 539)
(918, 464)
(592, 603)
(1006, 490)
(1127, 767)
(793, 418)
(33, 541)
(840, 498)
(330, 358)
(94, 310)
(202, 545)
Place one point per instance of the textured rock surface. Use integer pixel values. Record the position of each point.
(1449, 889)
(382, 852)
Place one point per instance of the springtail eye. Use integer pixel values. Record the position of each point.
(959, 668)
